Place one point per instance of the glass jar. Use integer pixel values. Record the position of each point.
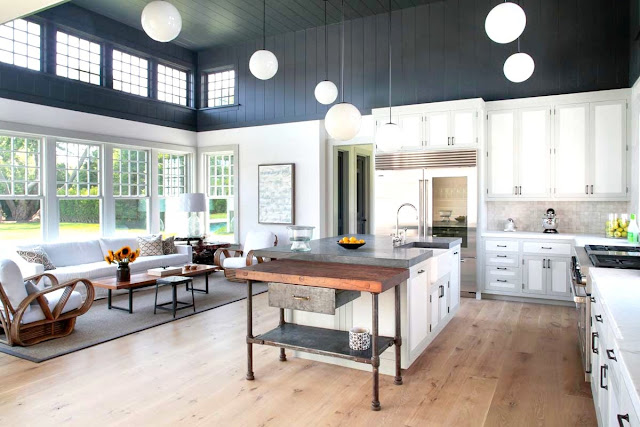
(617, 226)
(300, 236)
(611, 225)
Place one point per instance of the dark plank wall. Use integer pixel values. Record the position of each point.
(634, 44)
(48, 89)
(440, 52)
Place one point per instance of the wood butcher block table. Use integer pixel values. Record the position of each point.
(142, 280)
(327, 342)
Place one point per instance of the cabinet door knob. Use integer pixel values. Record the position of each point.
(599, 318)
(622, 418)
(611, 355)
(420, 271)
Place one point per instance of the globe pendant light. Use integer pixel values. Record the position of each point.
(505, 22)
(519, 66)
(326, 91)
(389, 134)
(161, 21)
(263, 63)
(343, 120)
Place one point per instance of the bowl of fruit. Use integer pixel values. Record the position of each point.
(351, 242)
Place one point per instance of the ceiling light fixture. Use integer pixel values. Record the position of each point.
(519, 66)
(505, 22)
(263, 63)
(343, 120)
(161, 21)
(326, 91)
(389, 134)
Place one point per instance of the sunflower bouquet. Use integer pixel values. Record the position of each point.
(124, 255)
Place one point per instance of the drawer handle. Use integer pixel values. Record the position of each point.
(611, 355)
(594, 335)
(622, 418)
(501, 281)
(501, 256)
(502, 246)
(599, 318)
(501, 268)
(593, 300)
(296, 297)
(420, 271)
(545, 247)
(603, 374)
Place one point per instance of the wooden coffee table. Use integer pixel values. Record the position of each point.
(142, 280)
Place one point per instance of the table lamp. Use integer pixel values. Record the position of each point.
(194, 203)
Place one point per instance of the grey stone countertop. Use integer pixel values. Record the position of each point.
(378, 250)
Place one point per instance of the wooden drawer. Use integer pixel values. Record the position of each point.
(309, 298)
(546, 248)
(505, 279)
(503, 260)
(501, 245)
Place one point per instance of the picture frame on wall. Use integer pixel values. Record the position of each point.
(276, 193)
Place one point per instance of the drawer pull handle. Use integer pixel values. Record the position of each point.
(545, 247)
(599, 318)
(501, 281)
(603, 375)
(501, 256)
(594, 335)
(420, 271)
(296, 297)
(501, 268)
(611, 355)
(502, 246)
(593, 300)
(622, 418)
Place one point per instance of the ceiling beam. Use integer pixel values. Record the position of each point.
(11, 9)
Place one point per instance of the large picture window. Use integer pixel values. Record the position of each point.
(220, 190)
(20, 44)
(172, 181)
(78, 187)
(77, 58)
(20, 187)
(172, 85)
(130, 190)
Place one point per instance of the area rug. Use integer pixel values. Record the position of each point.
(100, 324)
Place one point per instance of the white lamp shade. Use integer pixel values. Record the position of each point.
(343, 121)
(518, 67)
(161, 21)
(389, 137)
(263, 64)
(505, 22)
(326, 92)
(192, 202)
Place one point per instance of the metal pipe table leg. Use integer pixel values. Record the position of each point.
(109, 299)
(175, 300)
(398, 338)
(375, 358)
(130, 300)
(283, 355)
(250, 376)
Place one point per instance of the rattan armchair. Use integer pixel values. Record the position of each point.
(243, 259)
(56, 323)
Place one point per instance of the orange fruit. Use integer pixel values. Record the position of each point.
(353, 240)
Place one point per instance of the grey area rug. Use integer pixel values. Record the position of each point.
(100, 324)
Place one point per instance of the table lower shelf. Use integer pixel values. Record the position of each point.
(326, 342)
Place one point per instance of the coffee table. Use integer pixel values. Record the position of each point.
(142, 280)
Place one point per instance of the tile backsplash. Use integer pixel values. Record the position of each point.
(573, 217)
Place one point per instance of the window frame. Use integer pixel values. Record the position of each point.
(119, 197)
(150, 68)
(99, 172)
(205, 86)
(53, 45)
(188, 81)
(41, 45)
(205, 179)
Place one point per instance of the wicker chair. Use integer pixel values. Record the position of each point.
(243, 257)
(56, 311)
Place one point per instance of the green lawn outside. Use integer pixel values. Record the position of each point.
(218, 216)
(31, 231)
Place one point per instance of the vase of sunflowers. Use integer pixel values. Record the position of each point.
(122, 257)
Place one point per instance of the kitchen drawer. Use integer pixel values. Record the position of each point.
(501, 246)
(505, 279)
(503, 260)
(309, 298)
(546, 248)
(626, 409)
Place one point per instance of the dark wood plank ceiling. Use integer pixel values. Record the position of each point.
(211, 23)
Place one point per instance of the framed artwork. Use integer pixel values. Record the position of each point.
(276, 194)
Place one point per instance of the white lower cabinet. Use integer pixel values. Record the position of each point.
(454, 281)
(546, 275)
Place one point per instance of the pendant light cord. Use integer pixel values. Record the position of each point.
(342, 56)
(389, 61)
(326, 43)
(264, 25)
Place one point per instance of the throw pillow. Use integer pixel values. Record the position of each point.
(150, 245)
(37, 255)
(169, 246)
(32, 289)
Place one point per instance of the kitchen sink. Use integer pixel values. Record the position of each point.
(419, 245)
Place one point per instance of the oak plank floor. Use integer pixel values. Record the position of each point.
(496, 364)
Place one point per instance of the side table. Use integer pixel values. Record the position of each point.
(174, 281)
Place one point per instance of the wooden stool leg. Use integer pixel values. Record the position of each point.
(283, 355)
(398, 338)
(250, 376)
(375, 358)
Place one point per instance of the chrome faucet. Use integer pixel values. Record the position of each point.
(398, 238)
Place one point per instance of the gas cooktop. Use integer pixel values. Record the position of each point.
(604, 256)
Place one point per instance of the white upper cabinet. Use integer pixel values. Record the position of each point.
(534, 143)
(571, 151)
(609, 149)
(501, 143)
(412, 130)
(438, 134)
(463, 127)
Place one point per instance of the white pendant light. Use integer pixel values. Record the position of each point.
(505, 22)
(326, 91)
(161, 21)
(389, 135)
(263, 63)
(343, 120)
(519, 66)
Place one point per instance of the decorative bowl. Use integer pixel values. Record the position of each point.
(461, 218)
(351, 245)
(300, 236)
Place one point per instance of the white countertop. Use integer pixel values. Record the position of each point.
(577, 238)
(620, 296)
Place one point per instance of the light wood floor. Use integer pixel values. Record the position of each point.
(496, 364)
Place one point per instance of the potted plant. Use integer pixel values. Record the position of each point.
(122, 257)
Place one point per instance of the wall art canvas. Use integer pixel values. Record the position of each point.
(276, 194)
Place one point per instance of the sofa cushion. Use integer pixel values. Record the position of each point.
(63, 254)
(258, 240)
(143, 264)
(237, 262)
(115, 243)
(12, 283)
(33, 289)
(84, 271)
(169, 246)
(150, 245)
(37, 255)
(35, 313)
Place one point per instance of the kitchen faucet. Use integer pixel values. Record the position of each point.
(396, 237)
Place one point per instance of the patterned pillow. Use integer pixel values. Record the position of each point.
(32, 289)
(169, 246)
(37, 255)
(150, 245)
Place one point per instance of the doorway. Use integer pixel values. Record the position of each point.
(352, 189)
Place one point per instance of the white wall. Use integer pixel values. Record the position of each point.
(302, 143)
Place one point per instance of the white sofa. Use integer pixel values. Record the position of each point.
(85, 259)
